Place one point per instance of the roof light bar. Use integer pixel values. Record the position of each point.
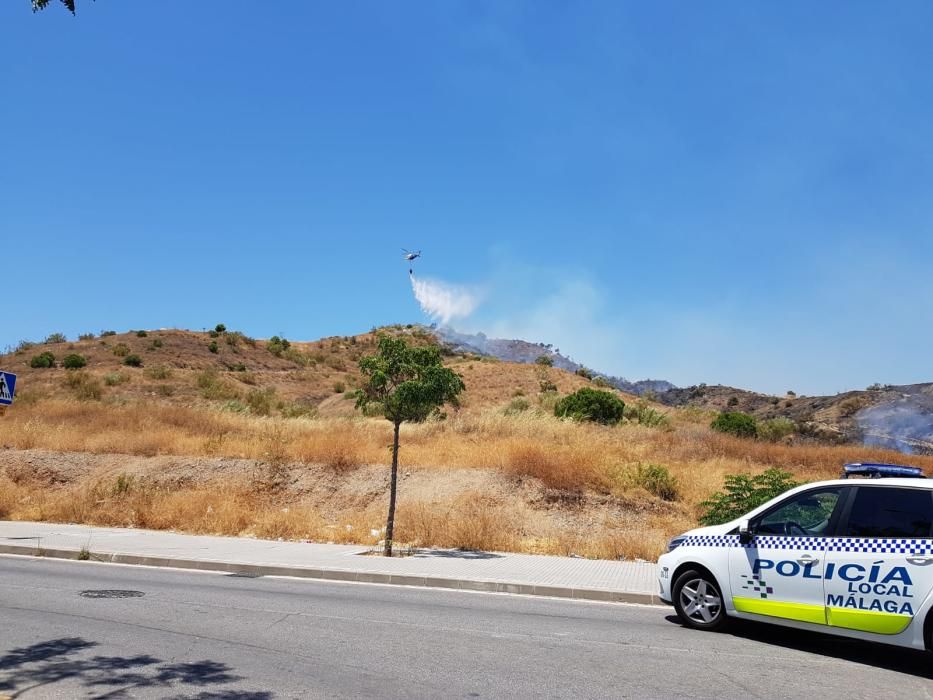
(874, 470)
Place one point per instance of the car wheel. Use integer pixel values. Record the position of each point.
(698, 600)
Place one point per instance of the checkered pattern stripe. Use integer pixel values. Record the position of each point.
(818, 544)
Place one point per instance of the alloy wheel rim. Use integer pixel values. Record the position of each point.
(700, 601)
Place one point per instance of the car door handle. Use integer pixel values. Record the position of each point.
(807, 559)
(920, 561)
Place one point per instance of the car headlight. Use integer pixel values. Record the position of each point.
(675, 543)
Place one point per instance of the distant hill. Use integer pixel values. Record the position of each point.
(523, 351)
(898, 417)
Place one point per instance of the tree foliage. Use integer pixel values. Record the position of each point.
(743, 493)
(42, 4)
(588, 404)
(404, 383)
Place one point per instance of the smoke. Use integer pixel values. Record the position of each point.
(443, 302)
(903, 425)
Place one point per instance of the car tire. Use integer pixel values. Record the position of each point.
(698, 600)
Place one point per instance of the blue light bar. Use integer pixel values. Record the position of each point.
(880, 471)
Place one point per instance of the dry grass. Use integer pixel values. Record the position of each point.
(563, 463)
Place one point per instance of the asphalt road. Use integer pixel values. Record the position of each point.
(200, 635)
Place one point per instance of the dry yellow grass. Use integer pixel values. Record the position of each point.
(561, 458)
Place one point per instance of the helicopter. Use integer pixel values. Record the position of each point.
(410, 257)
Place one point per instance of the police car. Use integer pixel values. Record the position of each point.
(852, 557)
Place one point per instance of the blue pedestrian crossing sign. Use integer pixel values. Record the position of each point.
(7, 387)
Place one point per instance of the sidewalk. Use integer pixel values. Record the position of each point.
(632, 582)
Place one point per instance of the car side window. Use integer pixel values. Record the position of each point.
(890, 512)
(805, 515)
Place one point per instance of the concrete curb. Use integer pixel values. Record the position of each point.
(597, 594)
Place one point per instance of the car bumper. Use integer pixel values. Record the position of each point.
(664, 580)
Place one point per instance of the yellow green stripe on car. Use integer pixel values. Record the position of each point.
(861, 620)
(776, 608)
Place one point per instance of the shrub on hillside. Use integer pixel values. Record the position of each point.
(776, 429)
(220, 328)
(588, 404)
(105, 334)
(277, 345)
(85, 387)
(141, 334)
(743, 493)
(44, 360)
(23, 346)
(736, 423)
(133, 361)
(544, 361)
(121, 349)
(584, 372)
(86, 336)
(261, 401)
(74, 361)
(159, 372)
(658, 481)
(643, 414)
(115, 378)
(213, 347)
(56, 338)
(517, 405)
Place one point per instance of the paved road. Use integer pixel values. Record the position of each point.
(205, 635)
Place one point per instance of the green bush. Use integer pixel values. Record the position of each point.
(643, 414)
(74, 362)
(105, 334)
(601, 382)
(588, 404)
(155, 344)
(733, 401)
(56, 338)
(133, 361)
(141, 334)
(121, 349)
(656, 479)
(544, 361)
(220, 328)
(736, 423)
(86, 336)
(44, 360)
(277, 345)
(743, 493)
(213, 347)
(584, 372)
(776, 429)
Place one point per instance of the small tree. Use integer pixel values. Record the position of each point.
(404, 383)
(743, 493)
(544, 360)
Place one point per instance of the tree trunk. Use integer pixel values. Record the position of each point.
(390, 521)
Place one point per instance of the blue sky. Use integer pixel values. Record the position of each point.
(730, 192)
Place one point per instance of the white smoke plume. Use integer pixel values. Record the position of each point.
(443, 302)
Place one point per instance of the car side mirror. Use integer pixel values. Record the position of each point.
(745, 532)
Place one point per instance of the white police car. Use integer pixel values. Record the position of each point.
(846, 557)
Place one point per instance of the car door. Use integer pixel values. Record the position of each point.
(779, 573)
(879, 570)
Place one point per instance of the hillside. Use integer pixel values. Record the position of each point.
(220, 433)
(896, 417)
